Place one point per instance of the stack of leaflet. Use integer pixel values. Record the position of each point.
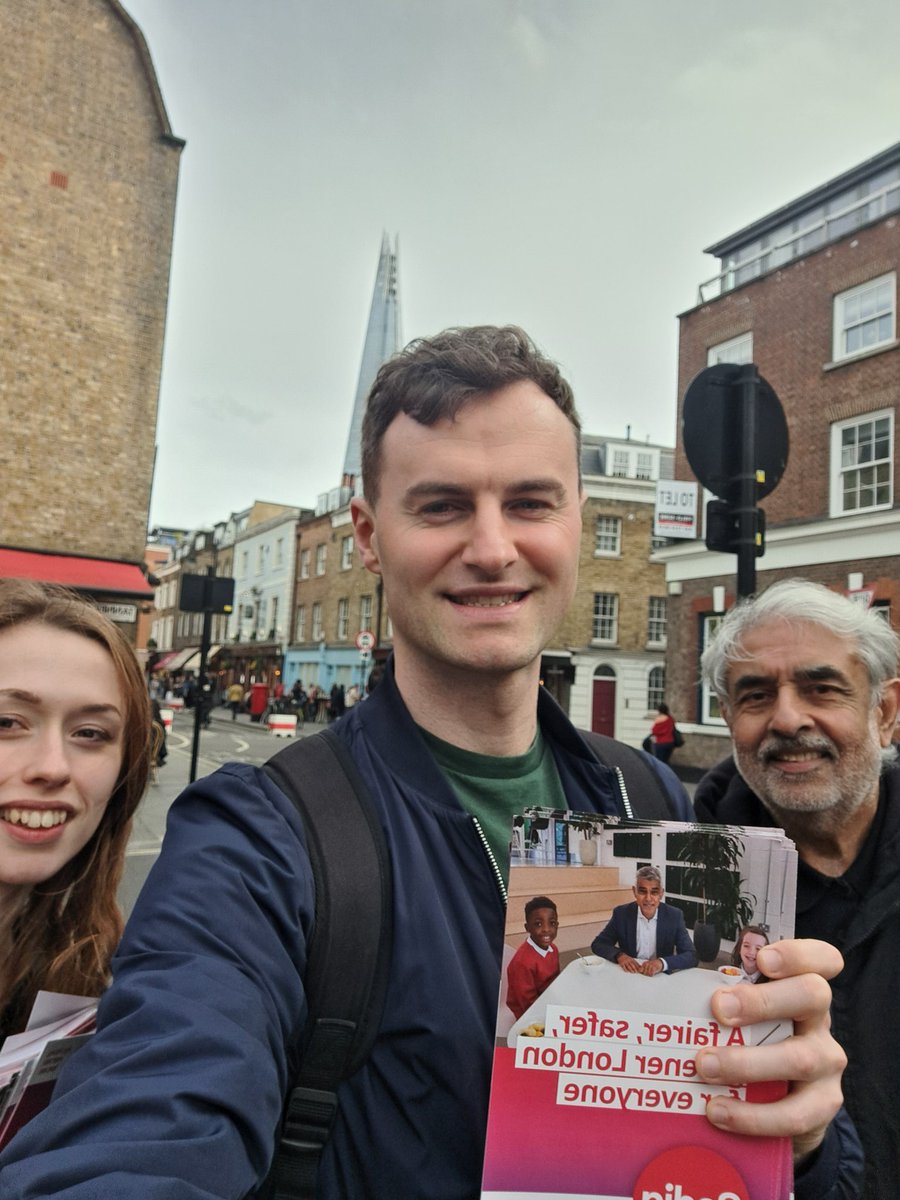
(594, 1091)
(31, 1061)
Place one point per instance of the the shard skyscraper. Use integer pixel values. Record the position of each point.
(383, 338)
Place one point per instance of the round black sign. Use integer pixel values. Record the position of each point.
(713, 431)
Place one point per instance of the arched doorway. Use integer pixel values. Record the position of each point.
(603, 708)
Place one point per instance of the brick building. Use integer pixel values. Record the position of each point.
(606, 665)
(88, 173)
(809, 294)
(335, 598)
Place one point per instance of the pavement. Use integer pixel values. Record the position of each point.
(174, 776)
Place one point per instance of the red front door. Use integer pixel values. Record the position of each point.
(603, 714)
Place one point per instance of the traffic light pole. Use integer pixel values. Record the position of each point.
(200, 704)
(746, 511)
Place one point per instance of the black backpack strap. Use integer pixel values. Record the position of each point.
(349, 952)
(646, 791)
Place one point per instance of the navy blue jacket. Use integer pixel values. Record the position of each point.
(673, 942)
(178, 1094)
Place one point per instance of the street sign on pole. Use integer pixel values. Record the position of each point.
(365, 640)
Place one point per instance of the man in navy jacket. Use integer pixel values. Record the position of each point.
(646, 936)
(471, 516)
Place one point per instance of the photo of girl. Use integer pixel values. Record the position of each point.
(749, 942)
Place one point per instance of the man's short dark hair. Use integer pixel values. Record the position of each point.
(538, 902)
(432, 378)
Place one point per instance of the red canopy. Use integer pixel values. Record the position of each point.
(87, 574)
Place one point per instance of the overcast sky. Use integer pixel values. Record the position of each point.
(560, 164)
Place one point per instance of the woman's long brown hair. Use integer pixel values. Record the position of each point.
(62, 933)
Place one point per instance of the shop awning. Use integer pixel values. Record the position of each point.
(174, 660)
(195, 665)
(96, 575)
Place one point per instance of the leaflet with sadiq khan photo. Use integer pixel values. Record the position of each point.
(630, 928)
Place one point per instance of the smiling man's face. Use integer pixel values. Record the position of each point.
(649, 894)
(807, 738)
(476, 533)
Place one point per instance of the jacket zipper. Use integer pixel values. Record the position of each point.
(493, 861)
(626, 803)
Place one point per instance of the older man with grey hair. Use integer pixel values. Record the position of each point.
(807, 682)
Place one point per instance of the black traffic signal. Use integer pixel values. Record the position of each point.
(723, 529)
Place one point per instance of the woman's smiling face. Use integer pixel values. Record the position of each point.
(61, 745)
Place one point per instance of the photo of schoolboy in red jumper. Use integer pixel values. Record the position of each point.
(535, 964)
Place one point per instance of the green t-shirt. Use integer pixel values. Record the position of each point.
(493, 789)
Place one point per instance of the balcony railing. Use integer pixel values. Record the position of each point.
(813, 236)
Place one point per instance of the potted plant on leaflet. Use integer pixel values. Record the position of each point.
(587, 847)
(713, 875)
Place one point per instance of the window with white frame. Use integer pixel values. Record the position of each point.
(712, 713)
(365, 612)
(317, 622)
(608, 537)
(606, 617)
(301, 623)
(260, 559)
(656, 688)
(736, 350)
(343, 619)
(279, 552)
(304, 564)
(862, 455)
(245, 562)
(883, 609)
(346, 553)
(631, 461)
(321, 551)
(865, 317)
(656, 621)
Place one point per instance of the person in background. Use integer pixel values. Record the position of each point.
(662, 733)
(160, 750)
(235, 698)
(75, 754)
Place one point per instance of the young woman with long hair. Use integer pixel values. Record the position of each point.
(75, 752)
